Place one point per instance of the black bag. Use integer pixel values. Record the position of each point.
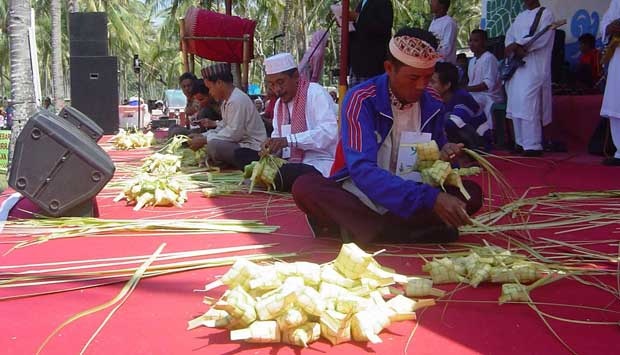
(600, 143)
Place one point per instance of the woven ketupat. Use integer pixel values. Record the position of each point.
(310, 301)
(454, 179)
(269, 308)
(330, 275)
(336, 326)
(292, 318)
(240, 273)
(239, 305)
(443, 271)
(310, 272)
(437, 174)
(365, 325)
(418, 287)
(514, 293)
(302, 335)
(352, 261)
(480, 273)
(258, 332)
(523, 272)
(428, 151)
(268, 279)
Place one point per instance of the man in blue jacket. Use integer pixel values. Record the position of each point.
(366, 197)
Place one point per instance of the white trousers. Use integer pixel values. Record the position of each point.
(528, 133)
(614, 124)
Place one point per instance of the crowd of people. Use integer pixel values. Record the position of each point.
(409, 87)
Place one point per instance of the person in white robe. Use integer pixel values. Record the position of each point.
(445, 29)
(529, 90)
(610, 27)
(484, 83)
(305, 127)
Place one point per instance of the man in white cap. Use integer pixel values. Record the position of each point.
(368, 198)
(241, 125)
(305, 128)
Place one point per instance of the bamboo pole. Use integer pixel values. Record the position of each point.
(246, 62)
(183, 44)
(344, 55)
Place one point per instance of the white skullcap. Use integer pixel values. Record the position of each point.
(279, 63)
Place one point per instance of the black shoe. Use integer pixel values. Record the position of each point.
(611, 162)
(517, 149)
(433, 234)
(532, 153)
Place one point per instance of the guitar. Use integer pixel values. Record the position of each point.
(610, 49)
(514, 62)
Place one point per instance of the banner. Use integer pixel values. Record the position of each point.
(583, 16)
(5, 139)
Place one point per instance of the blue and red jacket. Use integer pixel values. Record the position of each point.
(366, 121)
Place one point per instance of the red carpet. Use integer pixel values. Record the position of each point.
(154, 318)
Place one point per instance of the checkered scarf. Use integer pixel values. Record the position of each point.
(298, 117)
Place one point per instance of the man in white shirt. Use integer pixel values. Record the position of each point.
(529, 89)
(610, 27)
(241, 125)
(305, 127)
(484, 84)
(445, 29)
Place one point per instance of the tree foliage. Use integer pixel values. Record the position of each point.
(150, 29)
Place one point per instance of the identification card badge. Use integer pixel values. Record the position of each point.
(408, 155)
(285, 132)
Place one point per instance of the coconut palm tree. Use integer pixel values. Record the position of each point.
(58, 91)
(22, 88)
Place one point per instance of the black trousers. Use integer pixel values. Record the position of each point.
(287, 175)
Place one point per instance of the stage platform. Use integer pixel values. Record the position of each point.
(154, 318)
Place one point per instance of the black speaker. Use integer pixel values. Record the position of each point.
(57, 167)
(88, 48)
(81, 122)
(88, 26)
(88, 34)
(94, 90)
(557, 55)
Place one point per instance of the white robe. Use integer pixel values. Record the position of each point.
(319, 141)
(529, 90)
(611, 100)
(240, 123)
(485, 70)
(446, 30)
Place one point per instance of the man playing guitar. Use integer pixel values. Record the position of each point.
(529, 88)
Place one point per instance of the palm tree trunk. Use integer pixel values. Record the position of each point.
(22, 87)
(72, 5)
(57, 80)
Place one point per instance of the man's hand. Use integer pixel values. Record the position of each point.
(197, 141)
(613, 28)
(451, 210)
(274, 145)
(515, 49)
(450, 151)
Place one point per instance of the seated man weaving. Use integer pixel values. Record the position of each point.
(371, 197)
(241, 125)
(305, 129)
